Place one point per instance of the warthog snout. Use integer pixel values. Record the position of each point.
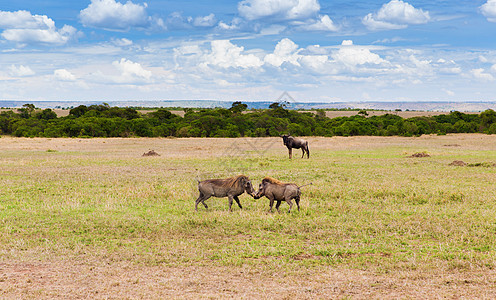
(260, 193)
(249, 188)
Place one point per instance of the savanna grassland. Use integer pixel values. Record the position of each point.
(93, 218)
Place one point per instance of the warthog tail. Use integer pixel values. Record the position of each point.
(197, 176)
(305, 185)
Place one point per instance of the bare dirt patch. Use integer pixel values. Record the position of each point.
(419, 155)
(151, 153)
(102, 280)
(458, 163)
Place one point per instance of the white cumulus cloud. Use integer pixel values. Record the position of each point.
(23, 27)
(316, 63)
(395, 15)
(130, 70)
(122, 42)
(285, 51)
(449, 92)
(323, 23)
(63, 75)
(280, 9)
(112, 15)
(235, 24)
(176, 20)
(225, 54)
(23, 19)
(489, 10)
(20, 71)
(351, 55)
(480, 74)
(206, 21)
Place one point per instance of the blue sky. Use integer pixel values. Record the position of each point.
(326, 51)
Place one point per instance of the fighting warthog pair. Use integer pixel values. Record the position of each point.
(231, 188)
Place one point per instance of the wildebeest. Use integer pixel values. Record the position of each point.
(276, 190)
(229, 187)
(292, 142)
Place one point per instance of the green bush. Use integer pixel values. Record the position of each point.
(105, 121)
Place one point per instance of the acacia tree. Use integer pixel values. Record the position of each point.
(27, 110)
(238, 107)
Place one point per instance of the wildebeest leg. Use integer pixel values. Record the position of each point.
(290, 204)
(308, 151)
(277, 204)
(290, 153)
(297, 200)
(302, 152)
(230, 202)
(237, 201)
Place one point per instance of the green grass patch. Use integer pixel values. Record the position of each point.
(369, 208)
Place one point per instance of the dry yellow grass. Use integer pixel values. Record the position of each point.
(92, 218)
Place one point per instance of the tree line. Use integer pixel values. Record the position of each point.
(105, 121)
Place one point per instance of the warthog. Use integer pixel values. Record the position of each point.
(278, 191)
(292, 142)
(229, 187)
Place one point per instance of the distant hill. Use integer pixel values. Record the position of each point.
(417, 106)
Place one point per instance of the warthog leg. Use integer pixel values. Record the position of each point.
(297, 200)
(271, 203)
(288, 200)
(230, 202)
(237, 201)
(277, 204)
(201, 199)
